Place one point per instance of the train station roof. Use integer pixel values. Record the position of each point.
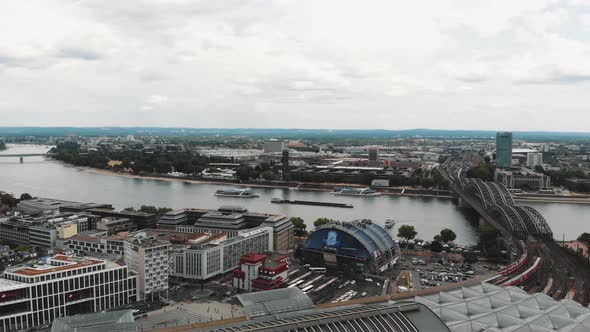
(401, 317)
(491, 308)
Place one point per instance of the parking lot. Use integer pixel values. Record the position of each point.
(427, 271)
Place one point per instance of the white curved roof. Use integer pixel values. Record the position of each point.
(490, 308)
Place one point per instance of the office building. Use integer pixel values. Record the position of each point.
(261, 272)
(274, 146)
(141, 220)
(34, 295)
(115, 225)
(534, 159)
(41, 205)
(374, 157)
(206, 260)
(44, 231)
(148, 257)
(230, 220)
(285, 161)
(503, 150)
(523, 179)
(96, 245)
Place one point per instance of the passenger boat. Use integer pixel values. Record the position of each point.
(242, 193)
(389, 223)
(367, 192)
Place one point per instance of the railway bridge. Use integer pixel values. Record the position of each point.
(544, 265)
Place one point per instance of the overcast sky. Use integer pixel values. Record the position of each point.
(464, 64)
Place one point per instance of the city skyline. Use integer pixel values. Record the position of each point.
(242, 64)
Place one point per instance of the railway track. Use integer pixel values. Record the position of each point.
(567, 273)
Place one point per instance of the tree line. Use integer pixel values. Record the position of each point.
(424, 178)
(139, 161)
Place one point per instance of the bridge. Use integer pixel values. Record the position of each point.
(23, 155)
(544, 266)
(496, 206)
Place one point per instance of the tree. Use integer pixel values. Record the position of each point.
(25, 196)
(299, 225)
(447, 235)
(488, 239)
(539, 169)
(22, 248)
(321, 221)
(8, 200)
(269, 176)
(436, 246)
(584, 237)
(407, 232)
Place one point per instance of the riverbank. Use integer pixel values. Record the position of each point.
(560, 199)
(328, 187)
(325, 187)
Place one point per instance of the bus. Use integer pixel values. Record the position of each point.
(297, 283)
(307, 289)
(318, 269)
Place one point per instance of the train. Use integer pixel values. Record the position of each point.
(525, 275)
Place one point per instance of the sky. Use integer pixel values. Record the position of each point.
(445, 64)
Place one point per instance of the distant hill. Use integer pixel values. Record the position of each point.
(280, 133)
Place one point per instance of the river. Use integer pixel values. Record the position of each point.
(48, 178)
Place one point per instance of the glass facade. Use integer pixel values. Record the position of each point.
(504, 150)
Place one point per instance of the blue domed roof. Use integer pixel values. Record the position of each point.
(361, 239)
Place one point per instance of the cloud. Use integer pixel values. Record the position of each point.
(297, 63)
(157, 99)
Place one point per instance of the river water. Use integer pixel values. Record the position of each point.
(47, 178)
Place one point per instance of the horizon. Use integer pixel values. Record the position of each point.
(294, 129)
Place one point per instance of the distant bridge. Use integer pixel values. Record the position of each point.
(17, 155)
(21, 156)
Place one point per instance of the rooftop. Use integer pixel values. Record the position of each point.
(48, 267)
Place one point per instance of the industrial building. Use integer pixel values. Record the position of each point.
(206, 260)
(360, 246)
(261, 272)
(230, 220)
(36, 294)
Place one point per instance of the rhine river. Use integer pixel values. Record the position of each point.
(48, 178)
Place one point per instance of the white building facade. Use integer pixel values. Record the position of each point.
(31, 296)
(150, 259)
(202, 262)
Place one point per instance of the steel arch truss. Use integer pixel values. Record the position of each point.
(489, 193)
(536, 223)
(522, 221)
(501, 193)
(510, 219)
